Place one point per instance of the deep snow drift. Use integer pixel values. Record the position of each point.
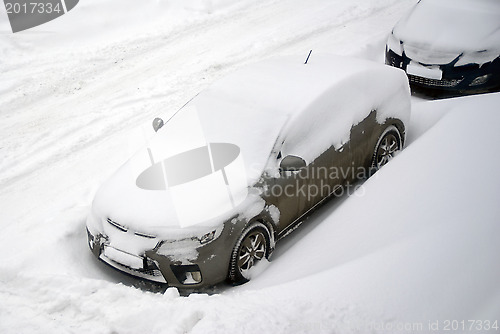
(415, 245)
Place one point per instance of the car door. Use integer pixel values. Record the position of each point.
(362, 144)
(328, 172)
(284, 190)
(296, 192)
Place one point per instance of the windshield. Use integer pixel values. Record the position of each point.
(210, 119)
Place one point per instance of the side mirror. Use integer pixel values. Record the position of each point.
(292, 163)
(157, 124)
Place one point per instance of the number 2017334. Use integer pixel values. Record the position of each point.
(33, 8)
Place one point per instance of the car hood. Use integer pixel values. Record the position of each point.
(142, 197)
(448, 28)
(121, 200)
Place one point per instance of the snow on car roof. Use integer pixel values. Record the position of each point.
(452, 25)
(286, 85)
(251, 107)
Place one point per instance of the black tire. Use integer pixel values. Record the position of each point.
(251, 247)
(388, 144)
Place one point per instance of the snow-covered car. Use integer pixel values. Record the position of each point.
(242, 163)
(449, 47)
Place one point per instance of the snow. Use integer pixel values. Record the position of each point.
(122, 257)
(182, 250)
(281, 98)
(450, 28)
(360, 88)
(274, 213)
(416, 244)
(228, 132)
(434, 251)
(424, 72)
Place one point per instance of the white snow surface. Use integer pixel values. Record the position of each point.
(415, 245)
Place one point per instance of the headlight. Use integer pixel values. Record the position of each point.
(395, 45)
(169, 246)
(207, 237)
(480, 80)
(211, 236)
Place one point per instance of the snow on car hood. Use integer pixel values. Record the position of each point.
(156, 212)
(449, 28)
(180, 179)
(196, 171)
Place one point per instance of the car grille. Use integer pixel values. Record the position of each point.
(126, 229)
(434, 82)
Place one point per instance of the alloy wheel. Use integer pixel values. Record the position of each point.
(387, 148)
(252, 250)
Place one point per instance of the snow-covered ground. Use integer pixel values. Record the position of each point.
(416, 246)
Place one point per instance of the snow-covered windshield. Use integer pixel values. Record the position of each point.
(213, 118)
(254, 130)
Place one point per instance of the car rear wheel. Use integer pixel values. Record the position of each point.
(388, 145)
(250, 249)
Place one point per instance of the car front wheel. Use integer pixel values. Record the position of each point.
(251, 248)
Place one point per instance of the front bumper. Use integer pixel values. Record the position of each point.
(208, 268)
(469, 78)
(149, 269)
